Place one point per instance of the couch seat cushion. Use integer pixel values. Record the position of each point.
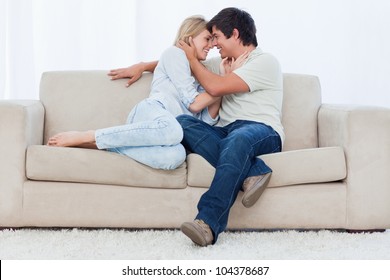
(45, 163)
(305, 166)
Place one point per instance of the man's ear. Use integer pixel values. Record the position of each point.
(236, 33)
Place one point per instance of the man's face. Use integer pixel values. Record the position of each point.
(225, 46)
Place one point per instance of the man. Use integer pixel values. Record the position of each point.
(249, 126)
(250, 123)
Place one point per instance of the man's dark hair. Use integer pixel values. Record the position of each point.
(230, 18)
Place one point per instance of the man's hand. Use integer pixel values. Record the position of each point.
(133, 72)
(190, 49)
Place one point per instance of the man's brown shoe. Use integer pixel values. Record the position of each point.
(253, 188)
(199, 232)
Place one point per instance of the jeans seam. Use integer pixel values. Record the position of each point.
(129, 130)
(231, 196)
(196, 144)
(241, 171)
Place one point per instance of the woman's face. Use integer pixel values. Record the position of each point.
(203, 43)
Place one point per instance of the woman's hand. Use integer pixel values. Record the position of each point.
(228, 65)
(225, 67)
(133, 72)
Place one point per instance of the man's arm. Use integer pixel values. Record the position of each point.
(214, 84)
(133, 72)
(213, 103)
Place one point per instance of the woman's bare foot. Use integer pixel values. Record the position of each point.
(73, 139)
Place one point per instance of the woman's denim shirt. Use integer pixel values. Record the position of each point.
(175, 87)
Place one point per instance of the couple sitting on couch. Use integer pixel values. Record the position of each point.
(229, 114)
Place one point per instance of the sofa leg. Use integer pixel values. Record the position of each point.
(365, 230)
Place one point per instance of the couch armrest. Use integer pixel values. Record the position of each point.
(364, 134)
(21, 125)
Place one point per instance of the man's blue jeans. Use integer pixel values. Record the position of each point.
(232, 150)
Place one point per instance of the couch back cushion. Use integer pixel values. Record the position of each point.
(301, 102)
(84, 100)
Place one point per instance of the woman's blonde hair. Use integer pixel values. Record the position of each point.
(191, 27)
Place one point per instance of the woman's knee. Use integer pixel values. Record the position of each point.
(174, 134)
(174, 156)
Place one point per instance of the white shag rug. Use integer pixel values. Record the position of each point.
(106, 244)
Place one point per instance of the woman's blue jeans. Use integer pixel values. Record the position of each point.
(151, 136)
(233, 151)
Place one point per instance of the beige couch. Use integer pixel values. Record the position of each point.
(332, 173)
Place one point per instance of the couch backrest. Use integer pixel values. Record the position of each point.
(83, 100)
(301, 102)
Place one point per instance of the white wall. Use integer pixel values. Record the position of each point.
(345, 42)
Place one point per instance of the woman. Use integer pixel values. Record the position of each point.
(152, 134)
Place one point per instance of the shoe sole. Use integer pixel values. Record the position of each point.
(192, 232)
(251, 196)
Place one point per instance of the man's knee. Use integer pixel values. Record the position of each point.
(239, 138)
(237, 144)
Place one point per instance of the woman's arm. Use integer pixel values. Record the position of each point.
(204, 100)
(214, 108)
(133, 72)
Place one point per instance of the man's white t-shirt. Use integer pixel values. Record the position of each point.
(262, 73)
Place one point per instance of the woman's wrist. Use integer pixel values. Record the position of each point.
(148, 66)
